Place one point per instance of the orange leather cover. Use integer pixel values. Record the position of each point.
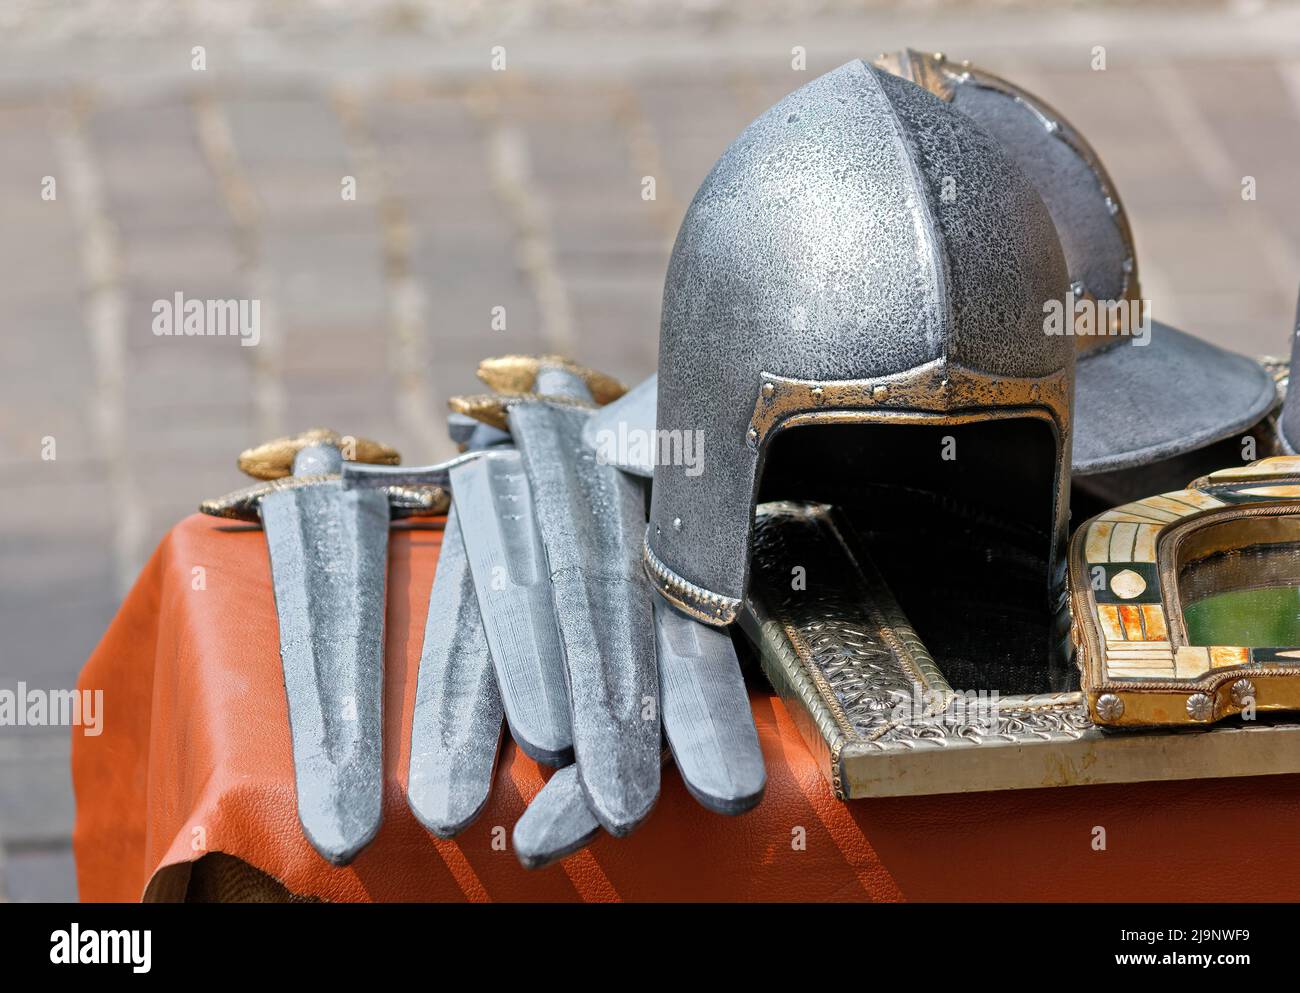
(194, 757)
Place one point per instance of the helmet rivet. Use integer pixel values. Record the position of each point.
(768, 389)
(818, 393)
(677, 523)
(751, 435)
(1110, 707)
(879, 393)
(1242, 690)
(1200, 707)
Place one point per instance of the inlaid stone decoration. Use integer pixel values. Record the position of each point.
(1187, 605)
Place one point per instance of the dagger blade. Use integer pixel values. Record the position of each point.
(361, 475)
(329, 555)
(557, 823)
(706, 712)
(508, 565)
(592, 520)
(456, 728)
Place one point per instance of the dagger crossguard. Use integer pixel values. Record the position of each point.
(492, 408)
(514, 377)
(274, 459)
(273, 462)
(517, 374)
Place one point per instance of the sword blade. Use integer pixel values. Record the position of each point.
(456, 729)
(706, 713)
(329, 554)
(361, 475)
(508, 565)
(592, 522)
(557, 823)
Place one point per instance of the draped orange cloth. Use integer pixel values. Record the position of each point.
(195, 758)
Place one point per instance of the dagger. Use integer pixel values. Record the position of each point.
(456, 729)
(328, 547)
(591, 519)
(513, 587)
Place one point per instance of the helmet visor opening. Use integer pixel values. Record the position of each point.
(958, 518)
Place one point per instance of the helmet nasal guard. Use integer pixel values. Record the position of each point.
(861, 258)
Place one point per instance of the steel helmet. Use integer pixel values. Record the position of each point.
(861, 277)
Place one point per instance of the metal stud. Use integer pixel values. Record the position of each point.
(1110, 707)
(1200, 707)
(1243, 690)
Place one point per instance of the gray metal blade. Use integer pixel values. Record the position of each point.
(360, 475)
(592, 522)
(329, 554)
(456, 728)
(513, 585)
(557, 823)
(706, 713)
(622, 433)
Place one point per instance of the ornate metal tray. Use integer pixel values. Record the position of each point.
(872, 703)
(1186, 604)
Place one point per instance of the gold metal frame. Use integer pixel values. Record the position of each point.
(1136, 664)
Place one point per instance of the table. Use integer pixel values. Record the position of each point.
(194, 759)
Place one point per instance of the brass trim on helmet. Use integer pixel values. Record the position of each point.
(935, 73)
(938, 387)
(938, 392)
(696, 601)
(932, 72)
(704, 605)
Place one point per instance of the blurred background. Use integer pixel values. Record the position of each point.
(500, 154)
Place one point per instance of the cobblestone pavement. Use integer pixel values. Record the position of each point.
(476, 188)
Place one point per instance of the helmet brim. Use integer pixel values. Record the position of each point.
(1134, 405)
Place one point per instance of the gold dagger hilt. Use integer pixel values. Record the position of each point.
(274, 459)
(272, 463)
(514, 378)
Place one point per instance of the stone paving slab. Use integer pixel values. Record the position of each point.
(44, 874)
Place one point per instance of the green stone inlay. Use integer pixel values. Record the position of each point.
(1263, 618)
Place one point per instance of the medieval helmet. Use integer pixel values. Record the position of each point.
(1134, 406)
(858, 282)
